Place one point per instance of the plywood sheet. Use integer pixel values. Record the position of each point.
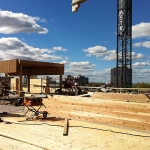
(142, 98)
(122, 114)
(8, 66)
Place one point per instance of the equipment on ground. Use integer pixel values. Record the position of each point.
(34, 105)
(18, 101)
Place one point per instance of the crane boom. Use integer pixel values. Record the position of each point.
(76, 4)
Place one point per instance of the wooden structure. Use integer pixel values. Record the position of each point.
(28, 68)
(131, 115)
(139, 98)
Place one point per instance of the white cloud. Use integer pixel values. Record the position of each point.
(64, 62)
(102, 73)
(18, 23)
(100, 76)
(59, 48)
(136, 56)
(101, 52)
(105, 41)
(82, 65)
(141, 30)
(142, 44)
(141, 75)
(104, 54)
(88, 55)
(146, 71)
(140, 64)
(110, 55)
(13, 48)
(78, 68)
(96, 51)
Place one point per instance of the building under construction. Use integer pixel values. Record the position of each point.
(117, 78)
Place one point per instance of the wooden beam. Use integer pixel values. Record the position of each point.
(39, 71)
(122, 114)
(20, 80)
(130, 124)
(117, 106)
(60, 78)
(37, 68)
(65, 132)
(142, 98)
(8, 66)
(28, 81)
(103, 112)
(40, 64)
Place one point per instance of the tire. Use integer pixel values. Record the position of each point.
(36, 113)
(44, 114)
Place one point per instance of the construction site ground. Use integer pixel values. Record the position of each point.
(20, 134)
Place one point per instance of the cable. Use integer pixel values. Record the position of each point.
(81, 127)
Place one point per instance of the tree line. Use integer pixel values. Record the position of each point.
(99, 84)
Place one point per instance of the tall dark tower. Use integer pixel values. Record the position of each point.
(124, 44)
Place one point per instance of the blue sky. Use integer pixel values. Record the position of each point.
(85, 41)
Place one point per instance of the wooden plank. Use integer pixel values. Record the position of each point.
(39, 71)
(40, 64)
(95, 100)
(42, 68)
(65, 132)
(120, 106)
(103, 112)
(104, 120)
(125, 99)
(96, 108)
(8, 66)
(119, 96)
(45, 71)
(128, 115)
(0, 66)
(20, 81)
(14, 65)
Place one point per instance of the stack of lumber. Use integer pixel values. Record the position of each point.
(131, 115)
(140, 98)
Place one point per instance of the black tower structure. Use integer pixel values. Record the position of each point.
(124, 44)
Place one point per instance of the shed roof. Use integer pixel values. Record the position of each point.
(12, 67)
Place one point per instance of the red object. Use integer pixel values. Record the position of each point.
(33, 101)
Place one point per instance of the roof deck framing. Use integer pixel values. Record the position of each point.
(28, 68)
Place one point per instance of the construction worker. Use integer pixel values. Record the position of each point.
(76, 88)
(105, 86)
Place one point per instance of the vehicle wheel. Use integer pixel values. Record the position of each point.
(36, 113)
(44, 114)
